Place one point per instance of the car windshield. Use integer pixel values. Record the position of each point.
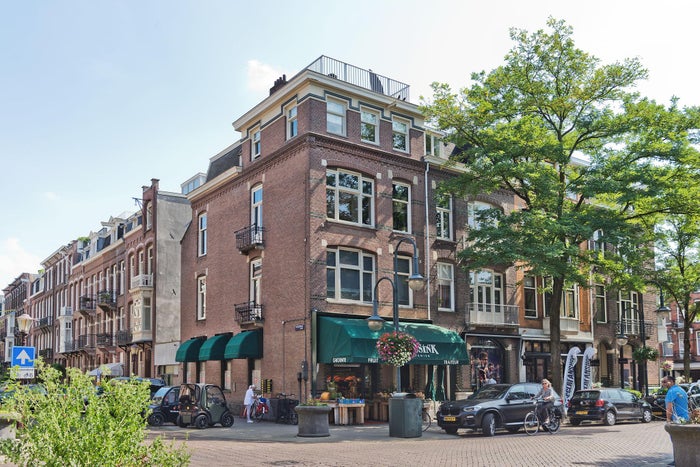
(159, 395)
(490, 391)
(587, 394)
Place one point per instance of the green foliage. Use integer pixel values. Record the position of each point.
(635, 392)
(72, 425)
(645, 353)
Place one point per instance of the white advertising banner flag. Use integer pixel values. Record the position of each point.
(569, 374)
(586, 375)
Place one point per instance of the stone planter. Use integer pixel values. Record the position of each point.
(313, 420)
(686, 444)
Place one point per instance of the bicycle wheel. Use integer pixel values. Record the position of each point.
(427, 420)
(554, 424)
(531, 424)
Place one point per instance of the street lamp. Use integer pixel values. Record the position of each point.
(24, 324)
(621, 342)
(415, 282)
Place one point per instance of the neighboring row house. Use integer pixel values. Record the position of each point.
(266, 269)
(673, 349)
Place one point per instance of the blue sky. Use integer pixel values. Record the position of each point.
(98, 97)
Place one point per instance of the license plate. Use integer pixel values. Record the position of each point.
(581, 412)
(450, 419)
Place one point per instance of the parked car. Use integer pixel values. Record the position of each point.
(607, 405)
(164, 406)
(203, 405)
(155, 383)
(657, 399)
(491, 407)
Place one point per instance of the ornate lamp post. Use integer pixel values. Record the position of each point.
(415, 282)
(621, 340)
(24, 324)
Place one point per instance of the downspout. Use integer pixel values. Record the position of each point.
(427, 235)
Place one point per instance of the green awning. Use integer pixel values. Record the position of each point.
(347, 340)
(189, 350)
(247, 344)
(214, 347)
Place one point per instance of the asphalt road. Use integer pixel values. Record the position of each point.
(270, 444)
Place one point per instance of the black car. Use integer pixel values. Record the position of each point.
(164, 406)
(607, 405)
(657, 399)
(154, 383)
(491, 407)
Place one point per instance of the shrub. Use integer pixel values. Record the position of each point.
(70, 424)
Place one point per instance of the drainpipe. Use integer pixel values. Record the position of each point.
(427, 235)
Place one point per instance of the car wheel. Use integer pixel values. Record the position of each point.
(451, 430)
(646, 416)
(488, 425)
(610, 418)
(156, 419)
(575, 422)
(180, 423)
(227, 420)
(202, 421)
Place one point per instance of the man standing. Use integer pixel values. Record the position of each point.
(248, 401)
(676, 401)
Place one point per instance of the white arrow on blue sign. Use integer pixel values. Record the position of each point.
(23, 357)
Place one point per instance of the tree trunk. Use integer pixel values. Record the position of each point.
(555, 333)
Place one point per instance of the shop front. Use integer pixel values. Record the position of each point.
(349, 366)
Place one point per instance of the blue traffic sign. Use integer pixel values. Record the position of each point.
(23, 357)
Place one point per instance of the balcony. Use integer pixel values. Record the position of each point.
(632, 327)
(46, 354)
(65, 312)
(360, 77)
(104, 340)
(68, 346)
(567, 326)
(249, 314)
(87, 305)
(86, 343)
(490, 315)
(106, 300)
(142, 281)
(250, 238)
(44, 324)
(123, 338)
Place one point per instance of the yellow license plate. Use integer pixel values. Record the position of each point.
(450, 419)
(581, 412)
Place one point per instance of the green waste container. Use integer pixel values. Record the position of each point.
(405, 416)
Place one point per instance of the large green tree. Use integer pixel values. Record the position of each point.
(577, 150)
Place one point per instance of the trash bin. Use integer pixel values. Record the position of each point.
(405, 416)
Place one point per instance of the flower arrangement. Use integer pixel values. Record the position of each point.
(311, 402)
(397, 348)
(667, 365)
(643, 353)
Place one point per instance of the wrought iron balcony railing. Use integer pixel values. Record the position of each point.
(248, 312)
(249, 238)
(633, 327)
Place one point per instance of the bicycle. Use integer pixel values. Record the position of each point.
(427, 419)
(260, 408)
(285, 409)
(532, 423)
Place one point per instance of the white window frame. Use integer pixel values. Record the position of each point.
(364, 184)
(681, 345)
(256, 206)
(397, 202)
(443, 217)
(496, 292)
(369, 118)
(569, 301)
(530, 289)
(445, 278)
(473, 207)
(400, 128)
(292, 121)
(336, 109)
(201, 298)
(404, 293)
(256, 281)
(365, 268)
(433, 145)
(697, 343)
(599, 298)
(255, 143)
(202, 234)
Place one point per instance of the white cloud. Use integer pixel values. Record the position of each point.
(261, 77)
(14, 260)
(51, 196)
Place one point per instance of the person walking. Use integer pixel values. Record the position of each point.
(676, 401)
(248, 401)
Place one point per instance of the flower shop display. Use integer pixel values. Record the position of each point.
(397, 348)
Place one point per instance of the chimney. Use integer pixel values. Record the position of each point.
(279, 83)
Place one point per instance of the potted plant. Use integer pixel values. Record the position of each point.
(644, 353)
(685, 438)
(313, 418)
(397, 348)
